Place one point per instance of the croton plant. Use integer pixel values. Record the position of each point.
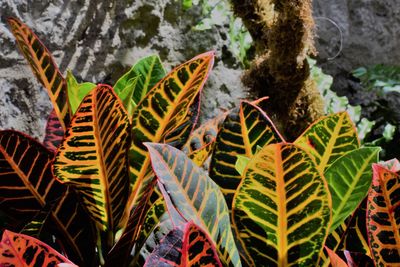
(124, 177)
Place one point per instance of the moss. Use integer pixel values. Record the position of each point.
(283, 33)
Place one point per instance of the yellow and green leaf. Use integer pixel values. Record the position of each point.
(44, 68)
(93, 157)
(195, 196)
(162, 110)
(328, 139)
(77, 91)
(282, 209)
(349, 179)
(243, 130)
(383, 219)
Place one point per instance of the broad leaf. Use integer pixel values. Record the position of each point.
(242, 131)
(77, 91)
(93, 157)
(196, 197)
(149, 71)
(349, 179)
(54, 132)
(201, 142)
(185, 246)
(44, 68)
(27, 187)
(164, 109)
(336, 261)
(328, 139)
(383, 218)
(281, 211)
(126, 95)
(22, 250)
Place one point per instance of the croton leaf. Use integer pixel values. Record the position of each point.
(201, 142)
(22, 250)
(77, 91)
(242, 131)
(28, 187)
(185, 246)
(281, 210)
(356, 259)
(43, 67)
(126, 95)
(349, 179)
(54, 132)
(383, 216)
(149, 71)
(336, 261)
(329, 138)
(195, 196)
(164, 109)
(93, 157)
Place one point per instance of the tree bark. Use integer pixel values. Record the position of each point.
(282, 31)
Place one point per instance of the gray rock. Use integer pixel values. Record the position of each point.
(99, 41)
(370, 32)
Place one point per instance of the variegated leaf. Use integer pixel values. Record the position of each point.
(329, 138)
(196, 197)
(383, 216)
(185, 246)
(27, 187)
(336, 261)
(22, 250)
(349, 179)
(281, 211)
(242, 131)
(44, 68)
(162, 110)
(54, 132)
(93, 157)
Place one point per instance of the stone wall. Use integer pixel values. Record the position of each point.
(99, 40)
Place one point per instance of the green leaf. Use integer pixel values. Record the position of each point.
(281, 209)
(125, 94)
(187, 4)
(77, 91)
(349, 179)
(241, 163)
(195, 196)
(328, 139)
(149, 71)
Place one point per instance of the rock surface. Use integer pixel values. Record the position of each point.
(99, 40)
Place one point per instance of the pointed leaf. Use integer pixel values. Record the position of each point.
(185, 246)
(196, 197)
(54, 132)
(164, 109)
(23, 250)
(336, 261)
(329, 138)
(93, 157)
(201, 142)
(349, 179)
(43, 67)
(149, 71)
(27, 187)
(383, 218)
(77, 91)
(281, 210)
(242, 131)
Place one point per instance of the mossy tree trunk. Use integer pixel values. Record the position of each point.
(282, 31)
